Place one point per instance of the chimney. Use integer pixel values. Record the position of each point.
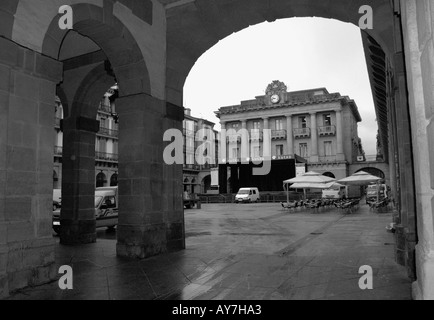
(187, 111)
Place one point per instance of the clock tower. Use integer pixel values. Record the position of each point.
(275, 92)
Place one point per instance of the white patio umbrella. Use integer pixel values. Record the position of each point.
(308, 180)
(361, 178)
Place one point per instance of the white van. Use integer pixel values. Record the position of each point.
(248, 195)
(106, 209)
(335, 192)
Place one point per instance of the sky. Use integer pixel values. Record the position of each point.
(304, 53)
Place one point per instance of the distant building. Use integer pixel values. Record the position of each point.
(197, 178)
(106, 144)
(313, 124)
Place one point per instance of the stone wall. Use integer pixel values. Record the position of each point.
(418, 27)
(27, 88)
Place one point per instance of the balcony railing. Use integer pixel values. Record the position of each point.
(302, 133)
(105, 108)
(58, 151)
(192, 167)
(256, 135)
(278, 134)
(328, 159)
(327, 131)
(108, 132)
(234, 137)
(112, 157)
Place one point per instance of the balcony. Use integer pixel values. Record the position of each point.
(327, 131)
(278, 134)
(192, 167)
(58, 151)
(302, 133)
(234, 138)
(105, 108)
(108, 132)
(102, 156)
(256, 135)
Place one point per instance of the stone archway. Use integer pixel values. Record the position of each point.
(329, 174)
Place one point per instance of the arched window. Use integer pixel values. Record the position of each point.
(114, 180)
(101, 179)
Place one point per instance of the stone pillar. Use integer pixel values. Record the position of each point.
(266, 145)
(339, 137)
(419, 54)
(289, 135)
(223, 143)
(151, 215)
(314, 139)
(77, 218)
(245, 142)
(27, 91)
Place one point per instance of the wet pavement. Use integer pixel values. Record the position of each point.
(245, 252)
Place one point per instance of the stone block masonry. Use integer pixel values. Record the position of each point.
(27, 80)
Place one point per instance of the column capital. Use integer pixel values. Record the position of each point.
(313, 113)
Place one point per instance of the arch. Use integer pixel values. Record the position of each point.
(214, 22)
(114, 180)
(374, 171)
(88, 95)
(101, 179)
(113, 37)
(329, 174)
(206, 183)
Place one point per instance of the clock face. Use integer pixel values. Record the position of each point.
(275, 98)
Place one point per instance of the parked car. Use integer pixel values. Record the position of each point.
(106, 209)
(57, 196)
(248, 195)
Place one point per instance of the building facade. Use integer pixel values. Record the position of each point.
(197, 177)
(313, 124)
(106, 143)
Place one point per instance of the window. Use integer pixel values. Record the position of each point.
(327, 148)
(235, 153)
(102, 145)
(102, 123)
(279, 124)
(256, 125)
(302, 122)
(303, 150)
(279, 150)
(327, 120)
(256, 152)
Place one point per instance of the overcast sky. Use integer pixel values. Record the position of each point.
(304, 53)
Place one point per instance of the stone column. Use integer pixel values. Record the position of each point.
(245, 142)
(289, 135)
(418, 41)
(339, 137)
(151, 215)
(77, 218)
(27, 91)
(266, 145)
(223, 144)
(314, 138)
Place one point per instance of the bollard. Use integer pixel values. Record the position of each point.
(199, 205)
